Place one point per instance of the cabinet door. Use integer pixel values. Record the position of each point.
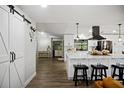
(4, 46)
(17, 46)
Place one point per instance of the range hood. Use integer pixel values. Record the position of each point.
(96, 34)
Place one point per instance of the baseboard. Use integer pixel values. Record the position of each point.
(70, 78)
(30, 78)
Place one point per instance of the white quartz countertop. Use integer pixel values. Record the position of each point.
(88, 56)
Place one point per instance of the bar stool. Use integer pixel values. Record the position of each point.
(83, 76)
(119, 67)
(98, 68)
(114, 74)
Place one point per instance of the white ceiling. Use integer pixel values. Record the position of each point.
(61, 19)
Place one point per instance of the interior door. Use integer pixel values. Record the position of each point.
(4, 49)
(17, 47)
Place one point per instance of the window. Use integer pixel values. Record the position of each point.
(81, 45)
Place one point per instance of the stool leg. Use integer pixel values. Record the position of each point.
(74, 75)
(95, 74)
(92, 74)
(113, 74)
(101, 73)
(83, 74)
(105, 72)
(76, 78)
(86, 79)
(120, 74)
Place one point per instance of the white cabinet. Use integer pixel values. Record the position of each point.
(118, 47)
(4, 48)
(92, 43)
(11, 40)
(68, 43)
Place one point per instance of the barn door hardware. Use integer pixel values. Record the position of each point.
(12, 10)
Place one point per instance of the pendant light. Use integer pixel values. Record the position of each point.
(119, 37)
(77, 38)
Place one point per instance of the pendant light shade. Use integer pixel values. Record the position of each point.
(119, 39)
(77, 38)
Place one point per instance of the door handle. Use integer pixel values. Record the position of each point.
(11, 57)
(14, 56)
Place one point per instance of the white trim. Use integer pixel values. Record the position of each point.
(30, 78)
(70, 78)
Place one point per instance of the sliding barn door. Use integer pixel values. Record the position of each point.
(4, 48)
(17, 49)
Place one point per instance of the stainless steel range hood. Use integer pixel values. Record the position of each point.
(96, 34)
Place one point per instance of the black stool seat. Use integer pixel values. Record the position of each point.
(83, 76)
(98, 68)
(81, 66)
(120, 67)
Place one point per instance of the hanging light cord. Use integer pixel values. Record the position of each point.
(119, 30)
(77, 29)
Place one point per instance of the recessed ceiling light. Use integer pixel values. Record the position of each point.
(114, 31)
(44, 5)
(42, 33)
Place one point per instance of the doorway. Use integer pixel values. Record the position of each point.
(57, 47)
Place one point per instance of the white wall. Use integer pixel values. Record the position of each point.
(44, 40)
(30, 56)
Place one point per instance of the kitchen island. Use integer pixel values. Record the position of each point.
(87, 59)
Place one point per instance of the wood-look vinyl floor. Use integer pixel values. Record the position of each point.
(52, 74)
